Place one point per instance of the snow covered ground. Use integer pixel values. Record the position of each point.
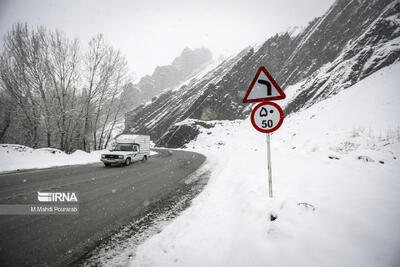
(18, 157)
(336, 179)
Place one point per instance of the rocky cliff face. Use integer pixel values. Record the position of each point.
(349, 42)
(164, 77)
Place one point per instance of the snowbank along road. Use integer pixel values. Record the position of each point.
(108, 198)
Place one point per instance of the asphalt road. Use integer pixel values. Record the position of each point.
(108, 199)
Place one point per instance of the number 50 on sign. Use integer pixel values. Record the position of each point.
(267, 117)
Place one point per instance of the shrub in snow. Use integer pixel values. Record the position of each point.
(366, 158)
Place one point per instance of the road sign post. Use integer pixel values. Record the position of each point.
(269, 165)
(266, 117)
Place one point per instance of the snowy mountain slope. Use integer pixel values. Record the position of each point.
(336, 182)
(377, 47)
(174, 106)
(187, 64)
(352, 40)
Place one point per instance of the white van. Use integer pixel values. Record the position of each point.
(128, 148)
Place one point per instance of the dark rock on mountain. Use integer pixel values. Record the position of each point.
(198, 99)
(349, 42)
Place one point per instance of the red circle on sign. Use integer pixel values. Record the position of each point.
(267, 130)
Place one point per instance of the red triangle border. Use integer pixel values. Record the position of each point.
(274, 83)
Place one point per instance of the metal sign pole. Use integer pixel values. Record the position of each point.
(269, 164)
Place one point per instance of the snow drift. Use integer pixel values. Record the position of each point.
(18, 157)
(336, 183)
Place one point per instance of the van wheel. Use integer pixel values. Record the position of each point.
(144, 158)
(128, 162)
(107, 164)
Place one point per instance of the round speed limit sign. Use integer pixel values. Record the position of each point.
(267, 117)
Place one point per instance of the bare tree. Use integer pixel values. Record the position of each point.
(113, 106)
(5, 113)
(120, 106)
(106, 73)
(62, 73)
(93, 61)
(22, 74)
(73, 99)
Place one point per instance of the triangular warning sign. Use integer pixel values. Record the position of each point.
(263, 88)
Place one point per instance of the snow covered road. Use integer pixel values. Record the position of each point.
(108, 198)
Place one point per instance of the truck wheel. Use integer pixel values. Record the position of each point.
(144, 158)
(107, 164)
(128, 162)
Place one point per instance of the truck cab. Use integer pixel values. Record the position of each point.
(128, 149)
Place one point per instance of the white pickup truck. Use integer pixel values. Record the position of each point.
(128, 148)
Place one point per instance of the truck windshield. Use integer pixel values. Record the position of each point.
(123, 147)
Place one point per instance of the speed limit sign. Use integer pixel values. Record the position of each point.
(267, 117)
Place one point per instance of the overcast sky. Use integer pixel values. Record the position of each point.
(152, 33)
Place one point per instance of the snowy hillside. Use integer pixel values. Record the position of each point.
(174, 106)
(352, 40)
(188, 63)
(335, 180)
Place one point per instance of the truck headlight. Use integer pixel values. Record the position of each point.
(120, 157)
(103, 156)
